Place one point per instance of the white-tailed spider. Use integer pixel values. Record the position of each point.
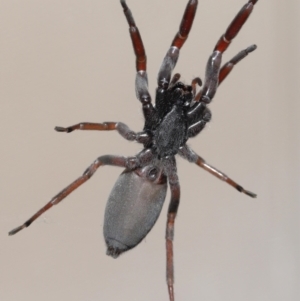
(179, 113)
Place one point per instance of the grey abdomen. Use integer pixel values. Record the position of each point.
(132, 208)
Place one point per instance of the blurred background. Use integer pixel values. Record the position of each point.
(67, 61)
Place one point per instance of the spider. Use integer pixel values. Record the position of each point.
(180, 113)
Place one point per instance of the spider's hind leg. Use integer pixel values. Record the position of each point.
(130, 163)
(171, 171)
(101, 161)
(188, 154)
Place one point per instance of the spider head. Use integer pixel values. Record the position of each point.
(177, 94)
(181, 94)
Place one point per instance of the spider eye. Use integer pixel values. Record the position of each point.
(177, 93)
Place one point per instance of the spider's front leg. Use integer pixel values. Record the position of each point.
(141, 81)
(170, 60)
(122, 129)
(213, 76)
(226, 68)
(235, 26)
(231, 32)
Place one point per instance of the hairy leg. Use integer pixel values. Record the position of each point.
(188, 154)
(122, 129)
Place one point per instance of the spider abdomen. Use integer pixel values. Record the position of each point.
(133, 207)
(171, 133)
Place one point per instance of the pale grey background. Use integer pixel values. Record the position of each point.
(63, 62)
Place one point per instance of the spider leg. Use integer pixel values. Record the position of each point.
(199, 121)
(170, 60)
(195, 112)
(210, 86)
(170, 169)
(213, 68)
(122, 129)
(226, 68)
(235, 26)
(141, 80)
(137, 43)
(130, 162)
(188, 154)
(186, 24)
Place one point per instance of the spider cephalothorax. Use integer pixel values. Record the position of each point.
(176, 118)
(179, 113)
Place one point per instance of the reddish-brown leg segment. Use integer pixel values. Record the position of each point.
(171, 172)
(211, 83)
(170, 59)
(122, 129)
(141, 81)
(217, 173)
(226, 68)
(196, 81)
(186, 24)
(105, 126)
(235, 26)
(139, 50)
(103, 160)
(187, 153)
